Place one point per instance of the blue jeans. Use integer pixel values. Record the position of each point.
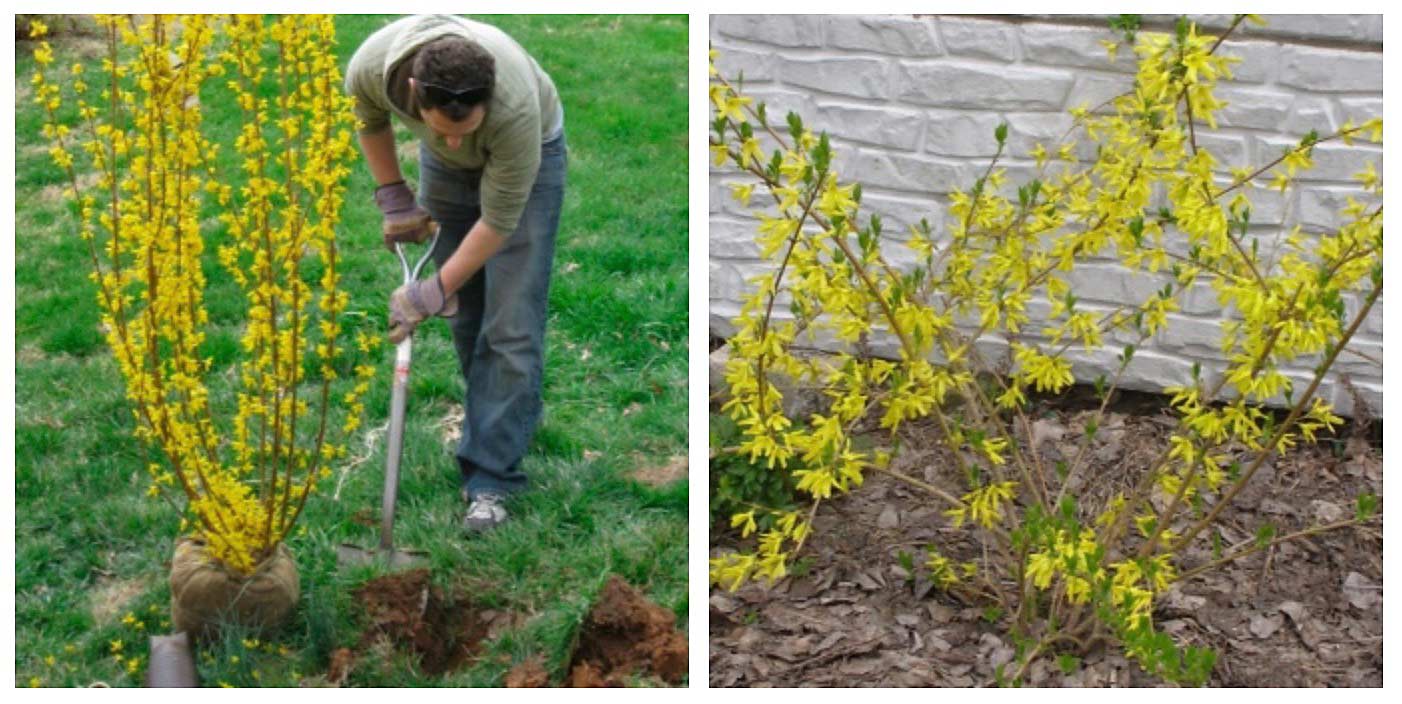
(499, 331)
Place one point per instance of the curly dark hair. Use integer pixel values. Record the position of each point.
(459, 75)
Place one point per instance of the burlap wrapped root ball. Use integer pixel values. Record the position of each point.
(205, 594)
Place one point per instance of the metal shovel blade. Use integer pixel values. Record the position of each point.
(349, 554)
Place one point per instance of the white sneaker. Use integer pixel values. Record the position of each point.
(485, 511)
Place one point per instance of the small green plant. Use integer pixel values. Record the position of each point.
(1061, 572)
(1127, 26)
(1068, 663)
(738, 485)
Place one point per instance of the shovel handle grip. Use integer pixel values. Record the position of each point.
(411, 274)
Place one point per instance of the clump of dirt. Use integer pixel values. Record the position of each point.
(625, 634)
(443, 630)
(528, 674)
(586, 676)
(342, 662)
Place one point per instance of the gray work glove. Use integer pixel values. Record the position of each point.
(412, 303)
(404, 220)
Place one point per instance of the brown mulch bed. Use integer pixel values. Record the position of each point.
(1307, 614)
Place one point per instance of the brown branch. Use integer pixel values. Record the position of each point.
(1281, 430)
(1304, 533)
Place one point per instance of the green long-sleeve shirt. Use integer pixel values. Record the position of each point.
(524, 109)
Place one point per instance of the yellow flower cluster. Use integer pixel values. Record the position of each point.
(769, 560)
(245, 478)
(983, 506)
(944, 573)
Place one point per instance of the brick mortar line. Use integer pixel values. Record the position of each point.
(1244, 33)
(1332, 186)
(895, 61)
(781, 52)
(1249, 35)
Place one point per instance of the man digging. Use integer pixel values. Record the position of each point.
(491, 176)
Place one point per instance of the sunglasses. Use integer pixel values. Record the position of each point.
(439, 95)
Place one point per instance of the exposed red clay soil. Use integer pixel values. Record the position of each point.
(443, 630)
(626, 634)
(342, 662)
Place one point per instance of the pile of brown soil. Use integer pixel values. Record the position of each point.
(626, 634)
(443, 630)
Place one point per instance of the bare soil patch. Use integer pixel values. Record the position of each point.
(111, 595)
(29, 354)
(444, 630)
(56, 193)
(657, 475)
(624, 636)
(450, 425)
(1308, 613)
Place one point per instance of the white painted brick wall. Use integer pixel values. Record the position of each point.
(911, 103)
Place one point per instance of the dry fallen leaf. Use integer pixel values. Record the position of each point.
(888, 518)
(1326, 511)
(1294, 609)
(1263, 626)
(1360, 592)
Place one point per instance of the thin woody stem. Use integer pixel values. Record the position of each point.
(907, 346)
(1295, 413)
(1238, 183)
(1257, 547)
(1236, 22)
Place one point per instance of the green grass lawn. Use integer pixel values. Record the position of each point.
(92, 552)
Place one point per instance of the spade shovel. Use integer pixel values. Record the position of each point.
(386, 553)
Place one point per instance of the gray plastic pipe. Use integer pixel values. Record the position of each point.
(172, 662)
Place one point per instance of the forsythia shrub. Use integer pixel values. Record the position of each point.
(245, 472)
(1066, 574)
